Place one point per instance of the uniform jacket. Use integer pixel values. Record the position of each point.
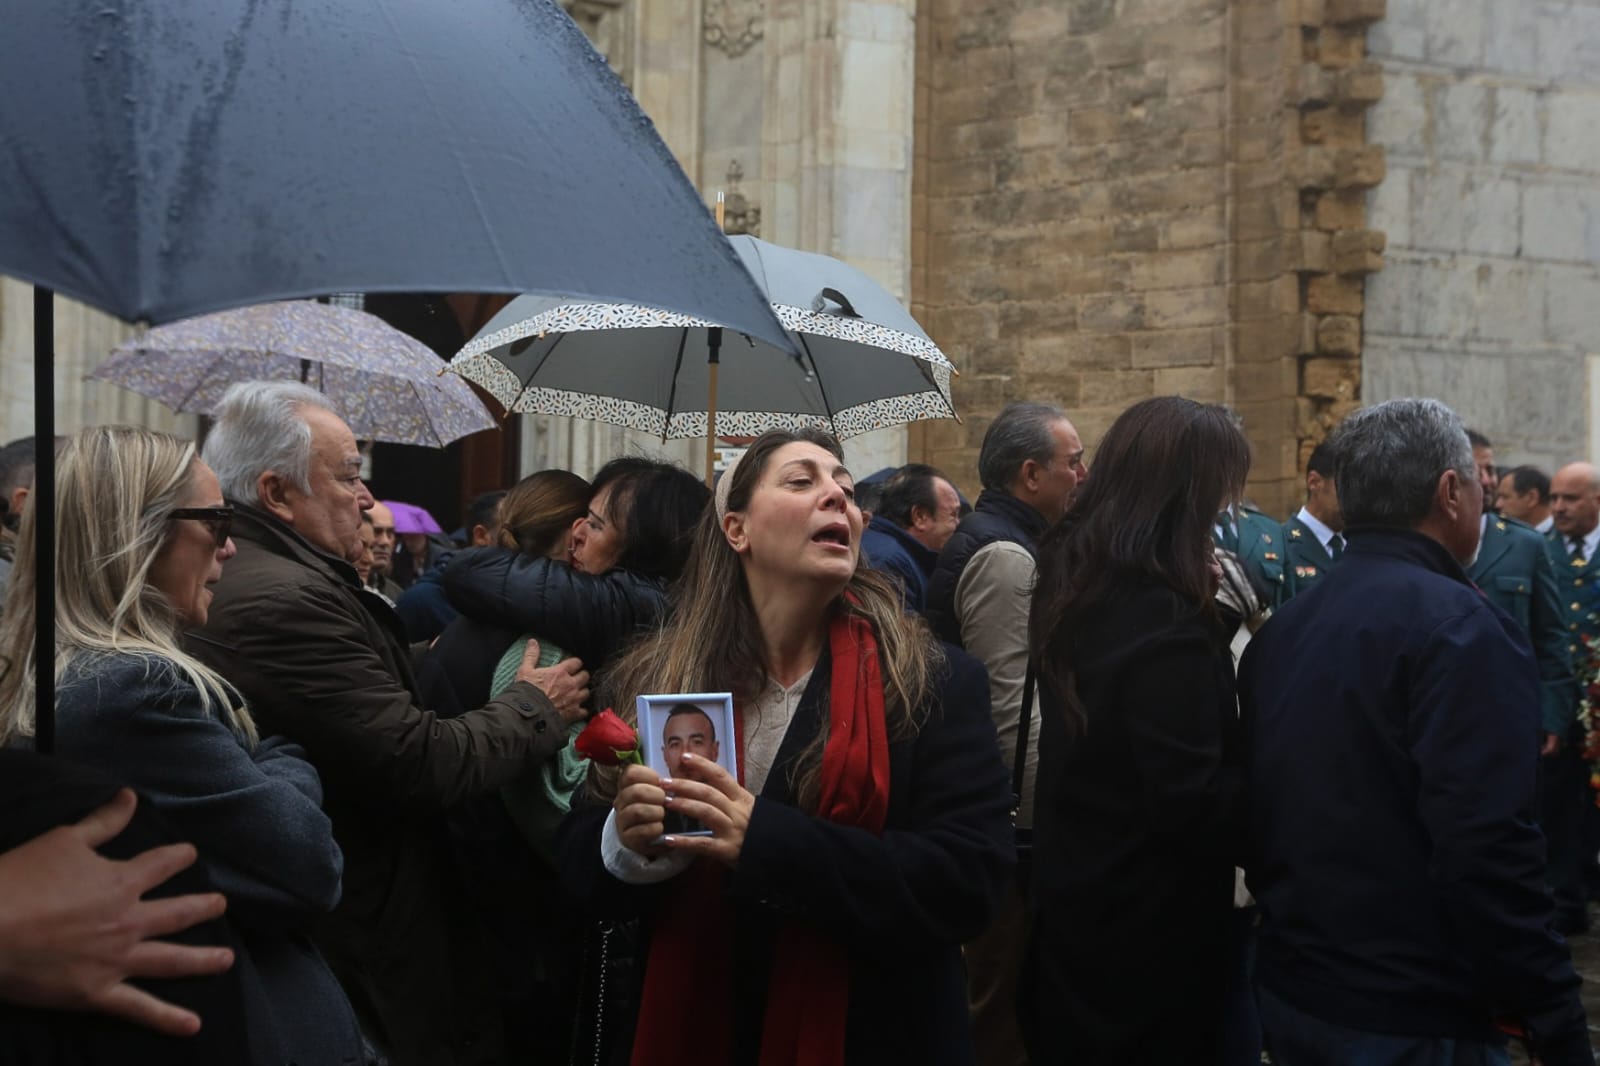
(1400, 874)
(325, 663)
(256, 819)
(1578, 593)
(1306, 560)
(1515, 570)
(1258, 542)
(889, 548)
(901, 903)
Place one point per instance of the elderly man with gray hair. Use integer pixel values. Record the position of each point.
(325, 663)
(1394, 852)
(1031, 464)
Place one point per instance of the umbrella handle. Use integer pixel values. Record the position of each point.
(820, 300)
(713, 360)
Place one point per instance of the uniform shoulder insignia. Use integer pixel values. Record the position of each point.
(1294, 534)
(1266, 538)
(1501, 526)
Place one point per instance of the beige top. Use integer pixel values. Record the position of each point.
(992, 599)
(766, 720)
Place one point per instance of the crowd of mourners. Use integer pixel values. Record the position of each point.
(1100, 770)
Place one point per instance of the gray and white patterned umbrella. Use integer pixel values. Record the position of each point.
(387, 385)
(865, 364)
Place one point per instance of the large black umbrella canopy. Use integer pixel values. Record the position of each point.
(161, 160)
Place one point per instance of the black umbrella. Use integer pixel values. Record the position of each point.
(161, 160)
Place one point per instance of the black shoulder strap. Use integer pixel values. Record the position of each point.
(1024, 727)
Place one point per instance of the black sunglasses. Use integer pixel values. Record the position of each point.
(219, 520)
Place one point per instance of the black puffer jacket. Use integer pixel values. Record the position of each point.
(503, 594)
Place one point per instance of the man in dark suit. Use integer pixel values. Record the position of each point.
(1314, 538)
(1394, 852)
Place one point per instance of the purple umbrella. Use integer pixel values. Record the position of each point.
(385, 384)
(409, 518)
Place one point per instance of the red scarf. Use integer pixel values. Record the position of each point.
(688, 981)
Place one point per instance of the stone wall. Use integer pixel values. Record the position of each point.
(1070, 203)
(1116, 199)
(1491, 296)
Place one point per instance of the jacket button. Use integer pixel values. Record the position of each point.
(538, 727)
(524, 705)
(1576, 607)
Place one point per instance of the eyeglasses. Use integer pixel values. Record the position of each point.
(219, 520)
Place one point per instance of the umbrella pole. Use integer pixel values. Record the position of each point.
(44, 519)
(713, 357)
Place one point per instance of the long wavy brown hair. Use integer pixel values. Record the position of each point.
(711, 641)
(1164, 469)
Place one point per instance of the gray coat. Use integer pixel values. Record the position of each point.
(257, 821)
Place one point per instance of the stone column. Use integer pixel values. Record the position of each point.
(837, 147)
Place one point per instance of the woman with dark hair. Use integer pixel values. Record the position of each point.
(1137, 814)
(865, 836)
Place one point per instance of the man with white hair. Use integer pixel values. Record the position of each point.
(323, 663)
(1394, 853)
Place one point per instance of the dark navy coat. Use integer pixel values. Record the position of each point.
(1394, 853)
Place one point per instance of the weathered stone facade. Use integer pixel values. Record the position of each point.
(1491, 296)
(1124, 199)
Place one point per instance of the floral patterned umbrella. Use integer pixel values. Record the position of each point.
(865, 362)
(385, 384)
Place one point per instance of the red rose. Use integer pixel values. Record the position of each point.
(609, 741)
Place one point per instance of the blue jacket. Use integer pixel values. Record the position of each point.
(1394, 853)
(1514, 569)
(895, 551)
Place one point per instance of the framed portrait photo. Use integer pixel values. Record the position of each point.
(673, 724)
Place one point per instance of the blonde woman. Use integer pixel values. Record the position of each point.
(866, 835)
(142, 536)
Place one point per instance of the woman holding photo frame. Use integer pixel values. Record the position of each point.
(867, 832)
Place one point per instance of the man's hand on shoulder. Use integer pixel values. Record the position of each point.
(566, 684)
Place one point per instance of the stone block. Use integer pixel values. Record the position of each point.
(1314, 251)
(1194, 229)
(1155, 350)
(1402, 34)
(1074, 352)
(1340, 209)
(1511, 41)
(1116, 387)
(1264, 340)
(1572, 134)
(1331, 379)
(1339, 335)
(1111, 312)
(1456, 210)
(1263, 260)
(1360, 86)
(1572, 306)
(1506, 309)
(1033, 318)
(1330, 294)
(1455, 32)
(1312, 12)
(1339, 48)
(1264, 299)
(1356, 12)
(1461, 122)
(1316, 84)
(1358, 251)
(1333, 126)
(1088, 16)
(1560, 222)
(1358, 168)
(1569, 42)
(1176, 270)
(1514, 126)
(1175, 308)
(1203, 383)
